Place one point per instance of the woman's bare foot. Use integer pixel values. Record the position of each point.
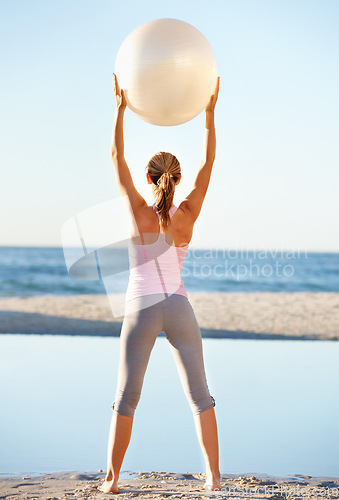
(109, 487)
(212, 483)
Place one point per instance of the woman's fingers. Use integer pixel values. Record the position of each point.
(213, 99)
(116, 84)
(216, 91)
(119, 93)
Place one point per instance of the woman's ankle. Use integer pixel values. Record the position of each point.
(111, 477)
(215, 474)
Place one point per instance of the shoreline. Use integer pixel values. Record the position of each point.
(154, 485)
(238, 315)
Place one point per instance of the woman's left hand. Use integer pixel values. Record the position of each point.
(119, 93)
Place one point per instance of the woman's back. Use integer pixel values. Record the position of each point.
(156, 261)
(146, 228)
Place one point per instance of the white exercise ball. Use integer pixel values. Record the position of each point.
(168, 71)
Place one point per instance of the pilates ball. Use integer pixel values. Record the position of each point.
(168, 71)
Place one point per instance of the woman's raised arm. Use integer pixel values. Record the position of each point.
(122, 172)
(193, 202)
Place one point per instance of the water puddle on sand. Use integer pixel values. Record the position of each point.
(276, 405)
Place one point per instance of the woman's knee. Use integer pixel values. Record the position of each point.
(204, 403)
(125, 403)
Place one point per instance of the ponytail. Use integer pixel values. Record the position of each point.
(164, 170)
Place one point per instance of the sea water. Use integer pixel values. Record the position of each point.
(28, 271)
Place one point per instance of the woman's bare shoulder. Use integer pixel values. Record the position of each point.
(182, 221)
(185, 213)
(145, 217)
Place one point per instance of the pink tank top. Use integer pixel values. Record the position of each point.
(156, 267)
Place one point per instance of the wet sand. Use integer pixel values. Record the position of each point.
(267, 315)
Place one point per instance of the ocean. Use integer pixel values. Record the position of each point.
(32, 271)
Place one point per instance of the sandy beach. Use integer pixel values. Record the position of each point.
(161, 485)
(267, 315)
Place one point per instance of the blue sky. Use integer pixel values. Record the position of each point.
(276, 175)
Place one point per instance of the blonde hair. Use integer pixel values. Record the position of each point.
(164, 171)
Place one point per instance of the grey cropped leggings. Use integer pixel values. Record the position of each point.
(175, 317)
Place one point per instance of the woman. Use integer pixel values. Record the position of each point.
(156, 299)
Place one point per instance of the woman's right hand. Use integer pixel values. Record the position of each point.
(119, 93)
(214, 97)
